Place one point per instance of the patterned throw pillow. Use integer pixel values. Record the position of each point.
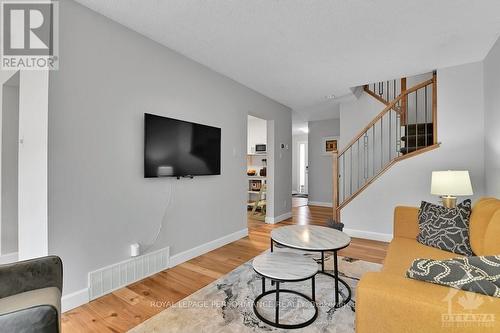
(476, 274)
(445, 228)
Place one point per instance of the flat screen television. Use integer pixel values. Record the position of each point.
(176, 148)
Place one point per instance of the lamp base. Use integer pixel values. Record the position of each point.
(449, 201)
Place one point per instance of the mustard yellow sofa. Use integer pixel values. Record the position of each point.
(389, 302)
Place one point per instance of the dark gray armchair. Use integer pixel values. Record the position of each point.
(30, 295)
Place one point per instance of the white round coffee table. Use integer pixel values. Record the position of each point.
(313, 238)
(285, 267)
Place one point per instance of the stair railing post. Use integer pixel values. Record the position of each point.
(404, 102)
(335, 179)
(434, 106)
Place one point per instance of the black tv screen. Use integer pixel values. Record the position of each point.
(176, 148)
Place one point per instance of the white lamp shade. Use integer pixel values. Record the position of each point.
(451, 183)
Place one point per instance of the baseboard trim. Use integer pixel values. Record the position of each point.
(107, 279)
(368, 235)
(9, 258)
(319, 203)
(74, 300)
(82, 296)
(277, 219)
(179, 258)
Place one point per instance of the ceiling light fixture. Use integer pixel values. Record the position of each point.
(330, 96)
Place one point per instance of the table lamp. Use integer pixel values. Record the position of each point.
(450, 184)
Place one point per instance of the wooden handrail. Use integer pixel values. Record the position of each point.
(374, 95)
(402, 110)
(383, 112)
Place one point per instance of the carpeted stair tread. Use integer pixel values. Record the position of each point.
(421, 139)
(413, 129)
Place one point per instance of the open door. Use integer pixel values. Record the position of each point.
(303, 168)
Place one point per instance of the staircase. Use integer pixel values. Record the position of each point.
(406, 127)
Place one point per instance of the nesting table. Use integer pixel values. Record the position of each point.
(285, 267)
(316, 239)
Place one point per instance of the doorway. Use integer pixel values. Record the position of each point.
(258, 175)
(303, 168)
(300, 168)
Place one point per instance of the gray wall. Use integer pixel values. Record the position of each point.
(99, 202)
(492, 120)
(10, 139)
(320, 165)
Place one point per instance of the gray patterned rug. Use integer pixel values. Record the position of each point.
(225, 305)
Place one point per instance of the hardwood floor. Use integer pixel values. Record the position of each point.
(298, 202)
(129, 306)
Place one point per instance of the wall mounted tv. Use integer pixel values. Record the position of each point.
(176, 148)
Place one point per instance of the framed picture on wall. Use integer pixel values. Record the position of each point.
(330, 145)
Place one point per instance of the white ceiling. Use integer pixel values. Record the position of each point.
(297, 51)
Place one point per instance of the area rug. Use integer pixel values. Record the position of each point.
(225, 305)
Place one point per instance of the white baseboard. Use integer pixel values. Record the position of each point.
(115, 276)
(277, 219)
(118, 275)
(82, 296)
(9, 258)
(319, 203)
(368, 235)
(179, 258)
(75, 299)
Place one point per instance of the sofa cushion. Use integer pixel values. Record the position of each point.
(45, 296)
(492, 238)
(485, 227)
(386, 303)
(402, 252)
(445, 228)
(477, 274)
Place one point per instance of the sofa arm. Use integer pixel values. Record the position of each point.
(29, 275)
(406, 222)
(389, 303)
(37, 319)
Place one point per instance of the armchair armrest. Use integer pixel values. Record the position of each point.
(40, 318)
(406, 222)
(414, 306)
(29, 275)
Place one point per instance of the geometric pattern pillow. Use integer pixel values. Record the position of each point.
(445, 228)
(475, 274)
